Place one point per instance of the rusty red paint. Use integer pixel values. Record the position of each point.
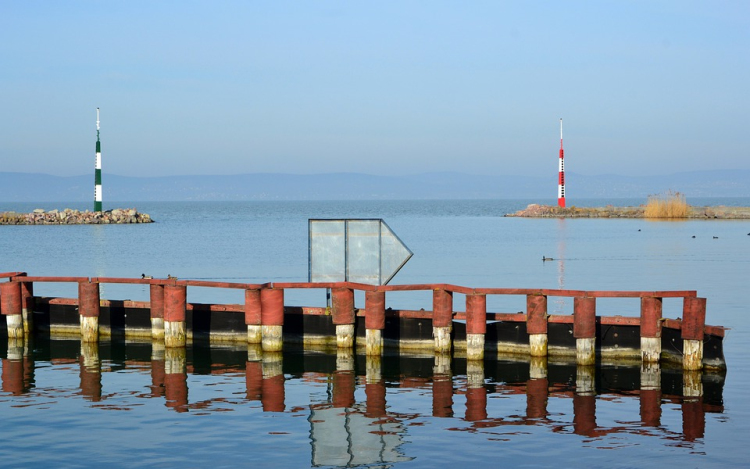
(584, 415)
(651, 311)
(10, 298)
(253, 380)
(650, 403)
(91, 382)
(272, 306)
(27, 296)
(619, 321)
(584, 317)
(272, 392)
(158, 372)
(476, 314)
(693, 419)
(88, 300)
(343, 389)
(375, 310)
(537, 395)
(176, 391)
(693, 323)
(476, 404)
(536, 310)
(156, 293)
(442, 396)
(10, 275)
(175, 303)
(375, 403)
(253, 305)
(342, 306)
(442, 308)
(693, 318)
(12, 376)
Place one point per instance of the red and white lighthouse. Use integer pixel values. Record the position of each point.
(561, 176)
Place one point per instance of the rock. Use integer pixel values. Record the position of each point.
(74, 217)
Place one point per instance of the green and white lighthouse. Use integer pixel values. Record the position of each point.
(98, 170)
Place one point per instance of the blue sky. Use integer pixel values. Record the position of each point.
(230, 87)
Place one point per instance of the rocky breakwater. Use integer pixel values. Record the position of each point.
(75, 217)
(552, 211)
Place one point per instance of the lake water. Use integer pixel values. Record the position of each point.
(125, 412)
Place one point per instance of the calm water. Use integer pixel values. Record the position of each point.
(70, 409)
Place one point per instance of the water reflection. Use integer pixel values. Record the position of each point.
(355, 421)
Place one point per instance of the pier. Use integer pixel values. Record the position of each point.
(473, 333)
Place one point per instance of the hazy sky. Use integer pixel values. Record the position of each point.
(228, 87)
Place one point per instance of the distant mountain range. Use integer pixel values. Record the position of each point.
(32, 187)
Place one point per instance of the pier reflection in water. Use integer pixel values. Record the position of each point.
(361, 410)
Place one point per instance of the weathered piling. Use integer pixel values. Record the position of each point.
(693, 324)
(10, 303)
(442, 319)
(476, 326)
(374, 322)
(442, 387)
(584, 329)
(651, 310)
(617, 337)
(27, 306)
(536, 324)
(272, 318)
(342, 313)
(156, 293)
(537, 389)
(272, 388)
(88, 309)
(344, 381)
(374, 389)
(253, 316)
(91, 371)
(476, 392)
(650, 392)
(175, 302)
(175, 372)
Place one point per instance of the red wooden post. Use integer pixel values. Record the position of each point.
(374, 322)
(156, 294)
(10, 305)
(651, 311)
(476, 325)
(175, 305)
(89, 308)
(584, 329)
(536, 324)
(272, 318)
(442, 319)
(253, 316)
(693, 325)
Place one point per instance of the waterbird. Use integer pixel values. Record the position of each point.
(716, 237)
(171, 278)
(544, 258)
(144, 276)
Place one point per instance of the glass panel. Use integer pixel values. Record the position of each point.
(327, 254)
(364, 251)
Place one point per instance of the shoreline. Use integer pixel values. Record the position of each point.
(719, 212)
(117, 216)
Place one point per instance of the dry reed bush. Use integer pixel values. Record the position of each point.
(669, 205)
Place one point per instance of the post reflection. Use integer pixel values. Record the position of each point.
(350, 406)
(17, 368)
(91, 371)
